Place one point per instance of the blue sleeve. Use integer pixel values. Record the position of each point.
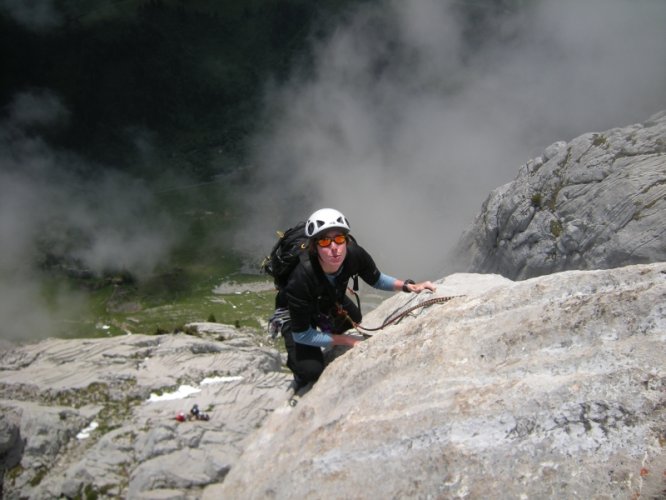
(385, 282)
(313, 337)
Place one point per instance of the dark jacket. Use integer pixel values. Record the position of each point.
(308, 293)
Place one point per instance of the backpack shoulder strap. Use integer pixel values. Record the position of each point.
(351, 246)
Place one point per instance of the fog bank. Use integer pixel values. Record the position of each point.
(53, 209)
(405, 126)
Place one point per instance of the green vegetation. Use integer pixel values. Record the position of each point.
(167, 301)
(94, 393)
(599, 140)
(40, 474)
(180, 290)
(536, 200)
(114, 409)
(556, 228)
(13, 473)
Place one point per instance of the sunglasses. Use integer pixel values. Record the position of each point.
(339, 239)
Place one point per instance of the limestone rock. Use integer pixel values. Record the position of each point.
(596, 202)
(549, 387)
(97, 417)
(552, 387)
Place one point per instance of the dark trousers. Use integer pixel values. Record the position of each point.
(307, 362)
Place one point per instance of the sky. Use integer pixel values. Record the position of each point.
(406, 131)
(398, 124)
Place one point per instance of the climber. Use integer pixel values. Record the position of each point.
(313, 308)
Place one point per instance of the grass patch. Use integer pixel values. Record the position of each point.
(536, 200)
(179, 291)
(556, 228)
(152, 309)
(599, 140)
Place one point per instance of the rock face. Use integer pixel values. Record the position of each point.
(549, 387)
(97, 418)
(596, 202)
(552, 387)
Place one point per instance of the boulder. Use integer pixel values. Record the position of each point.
(598, 201)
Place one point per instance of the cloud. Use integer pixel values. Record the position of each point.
(405, 126)
(37, 15)
(52, 205)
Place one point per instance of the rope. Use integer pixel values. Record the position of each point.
(390, 320)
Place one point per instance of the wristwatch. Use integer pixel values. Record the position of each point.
(405, 283)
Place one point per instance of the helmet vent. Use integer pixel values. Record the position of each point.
(325, 218)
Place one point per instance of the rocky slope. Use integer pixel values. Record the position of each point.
(554, 387)
(598, 201)
(80, 418)
(549, 387)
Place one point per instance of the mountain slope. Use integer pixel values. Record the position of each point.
(598, 201)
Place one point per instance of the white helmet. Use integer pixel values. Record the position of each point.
(323, 219)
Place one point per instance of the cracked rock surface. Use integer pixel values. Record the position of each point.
(96, 418)
(552, 387)
(598, 201)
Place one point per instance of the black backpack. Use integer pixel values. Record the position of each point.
(286, 253)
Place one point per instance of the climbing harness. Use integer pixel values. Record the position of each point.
(393, 317)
